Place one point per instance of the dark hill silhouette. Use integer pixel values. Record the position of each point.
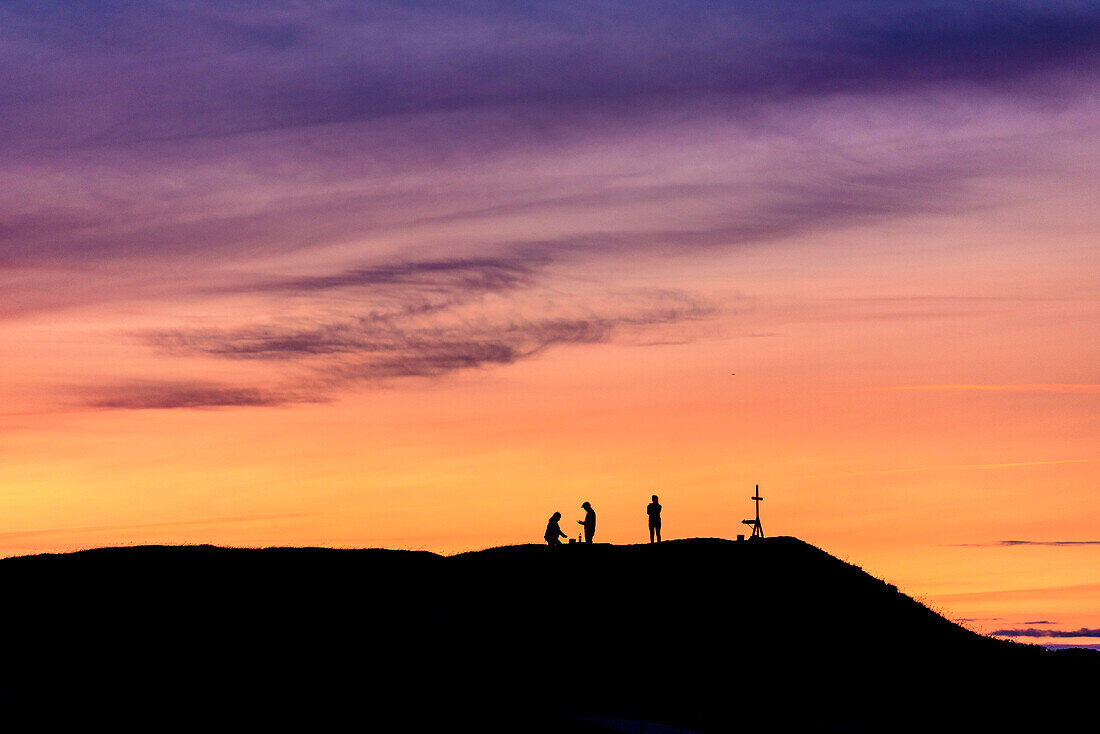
(707, 634)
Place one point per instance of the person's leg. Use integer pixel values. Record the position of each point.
(651, 532)
(658, 529)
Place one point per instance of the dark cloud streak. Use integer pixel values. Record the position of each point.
(426, 350)
(338, 356)
(1014, 543)
(1032, 632)
(473, 274)
(197, 395)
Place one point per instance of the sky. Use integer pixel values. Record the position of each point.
(419, 274)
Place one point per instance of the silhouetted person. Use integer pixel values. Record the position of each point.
(654, 512)
(589, 522)
(553, 530)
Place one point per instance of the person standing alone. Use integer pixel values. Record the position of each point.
(589, 522)
(654, 512)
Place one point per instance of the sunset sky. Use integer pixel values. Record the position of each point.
(419, 274)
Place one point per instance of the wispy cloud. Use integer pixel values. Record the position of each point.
(1013, 543)
(979, 619)
(1033, 632)
(386, 338)
(1027, 387)
(1084, 592)
(25, 535)
(393, 342)
(477, 275)
(953, 467)
(153, 395)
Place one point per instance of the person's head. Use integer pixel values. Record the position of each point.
(586, 506)
(654, 498)
(555, 517)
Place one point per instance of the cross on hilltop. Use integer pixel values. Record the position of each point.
(757, 528)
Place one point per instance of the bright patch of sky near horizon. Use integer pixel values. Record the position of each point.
(415, 276)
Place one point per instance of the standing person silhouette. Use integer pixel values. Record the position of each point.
(654, 512)
(553, 530)
(589, 522)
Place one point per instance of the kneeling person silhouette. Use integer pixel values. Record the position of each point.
(553, 530)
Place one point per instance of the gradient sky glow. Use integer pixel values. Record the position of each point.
(419, 274)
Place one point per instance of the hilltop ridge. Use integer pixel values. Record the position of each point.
(705, 633)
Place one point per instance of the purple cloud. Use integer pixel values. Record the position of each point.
(103, 98)
(455, 155)
(333, 357)
(473, 274)
(160, 71)
(174, 395)
(1032, 632)
(1013, 543)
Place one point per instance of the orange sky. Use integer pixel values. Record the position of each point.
(432, 328)
(893, 423)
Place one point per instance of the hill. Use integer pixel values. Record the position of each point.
(711, 635)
